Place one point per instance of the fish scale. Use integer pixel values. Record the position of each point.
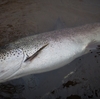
(47, 51)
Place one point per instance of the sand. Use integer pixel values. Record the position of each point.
(19, 18)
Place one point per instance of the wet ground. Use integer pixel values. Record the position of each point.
(79, 79)
(20, 18)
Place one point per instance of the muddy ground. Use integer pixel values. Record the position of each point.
(19, 18)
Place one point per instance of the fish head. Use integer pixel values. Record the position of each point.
(10, 63)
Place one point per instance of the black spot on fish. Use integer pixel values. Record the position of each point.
(18, 53)
(4, 59)
(7, 55)
(25, 51)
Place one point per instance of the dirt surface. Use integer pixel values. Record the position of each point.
(19, 18)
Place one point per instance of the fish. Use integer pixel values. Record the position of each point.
(47, 51)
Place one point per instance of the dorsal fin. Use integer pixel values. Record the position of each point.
(35, 54)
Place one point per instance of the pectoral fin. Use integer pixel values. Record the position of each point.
(30, 58)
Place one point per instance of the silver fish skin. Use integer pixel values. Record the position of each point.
(47, 51)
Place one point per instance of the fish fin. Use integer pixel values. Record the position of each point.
(30, 58)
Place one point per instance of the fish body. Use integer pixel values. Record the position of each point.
(46, 51)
